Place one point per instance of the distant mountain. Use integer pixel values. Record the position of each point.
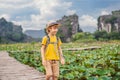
(110, 23)
(11, 33)
(69, 26)
(35, 33)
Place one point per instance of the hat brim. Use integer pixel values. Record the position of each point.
(52, 24)
(57, 25)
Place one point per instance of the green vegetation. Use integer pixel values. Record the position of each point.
(111, 20)
(83, 37)
(11, 33)
(99, 64)
(103, 35)
(96, 36)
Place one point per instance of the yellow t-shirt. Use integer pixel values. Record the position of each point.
(51, 52)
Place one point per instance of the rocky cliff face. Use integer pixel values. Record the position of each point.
(69, 27)
(7, 28)
(110, 23)
(10, 33)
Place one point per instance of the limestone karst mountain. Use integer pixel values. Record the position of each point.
(110, 23)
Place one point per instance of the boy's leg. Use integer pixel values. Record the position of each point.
(55, 69)
(55, 78)
(48, 77)
(48, 69)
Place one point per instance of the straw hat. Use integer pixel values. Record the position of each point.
(52, 24)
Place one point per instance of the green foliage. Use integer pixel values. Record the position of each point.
(103, 35)
(17, 37)
(111, 20)
(83, 36)
(114, 35)
(45, 31)
(99, 64)
(100, 35)
(11, 33)
(98, 19)
(59, 33)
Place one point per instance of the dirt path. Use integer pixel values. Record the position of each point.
(11, 69)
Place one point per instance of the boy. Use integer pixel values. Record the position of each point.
(51, 51)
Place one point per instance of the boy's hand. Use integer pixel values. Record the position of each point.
(62, 61)
(43, 62)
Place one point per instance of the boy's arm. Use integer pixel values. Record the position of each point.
(43, 54)
(61, 56)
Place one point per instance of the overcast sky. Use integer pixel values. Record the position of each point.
(34, 14)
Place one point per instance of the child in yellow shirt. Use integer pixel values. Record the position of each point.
(51, 51)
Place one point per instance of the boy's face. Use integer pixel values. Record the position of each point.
(53, 29)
